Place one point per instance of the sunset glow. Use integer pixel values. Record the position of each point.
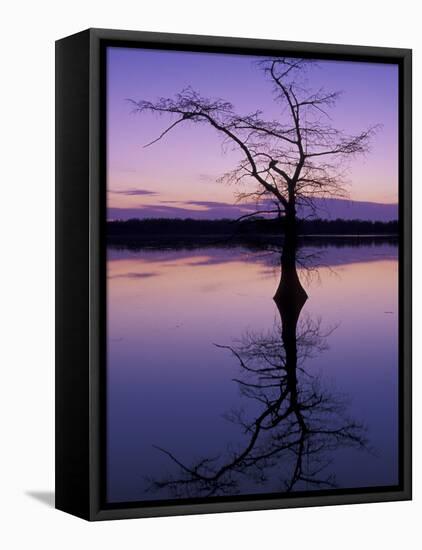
(178, 175)
(252, 341)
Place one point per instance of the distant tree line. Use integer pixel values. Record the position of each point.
(256, 227)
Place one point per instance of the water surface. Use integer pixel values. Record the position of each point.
(190, 334)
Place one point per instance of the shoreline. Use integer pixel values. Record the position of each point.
(256, 241)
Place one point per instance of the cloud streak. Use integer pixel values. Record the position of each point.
(134, 192)
(212, 210)
(133, 275)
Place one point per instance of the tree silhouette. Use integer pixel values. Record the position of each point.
(289, 161)
(285, 163)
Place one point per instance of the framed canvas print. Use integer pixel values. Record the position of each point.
(233, 274)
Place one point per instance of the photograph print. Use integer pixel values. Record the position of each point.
(252, 240)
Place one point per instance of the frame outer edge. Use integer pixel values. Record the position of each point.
(94, 271)
(72, 257)
(407, 270)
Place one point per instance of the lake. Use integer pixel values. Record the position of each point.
(213, 389)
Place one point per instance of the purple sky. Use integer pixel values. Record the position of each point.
(177, 176)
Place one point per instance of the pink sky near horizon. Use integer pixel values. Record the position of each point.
(185, 165)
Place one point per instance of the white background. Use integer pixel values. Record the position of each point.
(27, 37)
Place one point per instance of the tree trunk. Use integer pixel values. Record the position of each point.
(290, 291)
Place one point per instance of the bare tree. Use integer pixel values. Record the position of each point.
(289, 161)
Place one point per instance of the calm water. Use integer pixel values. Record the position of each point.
(207, 395)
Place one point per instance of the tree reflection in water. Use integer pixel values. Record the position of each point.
(299, 424)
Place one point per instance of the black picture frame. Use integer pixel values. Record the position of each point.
(80, 270)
